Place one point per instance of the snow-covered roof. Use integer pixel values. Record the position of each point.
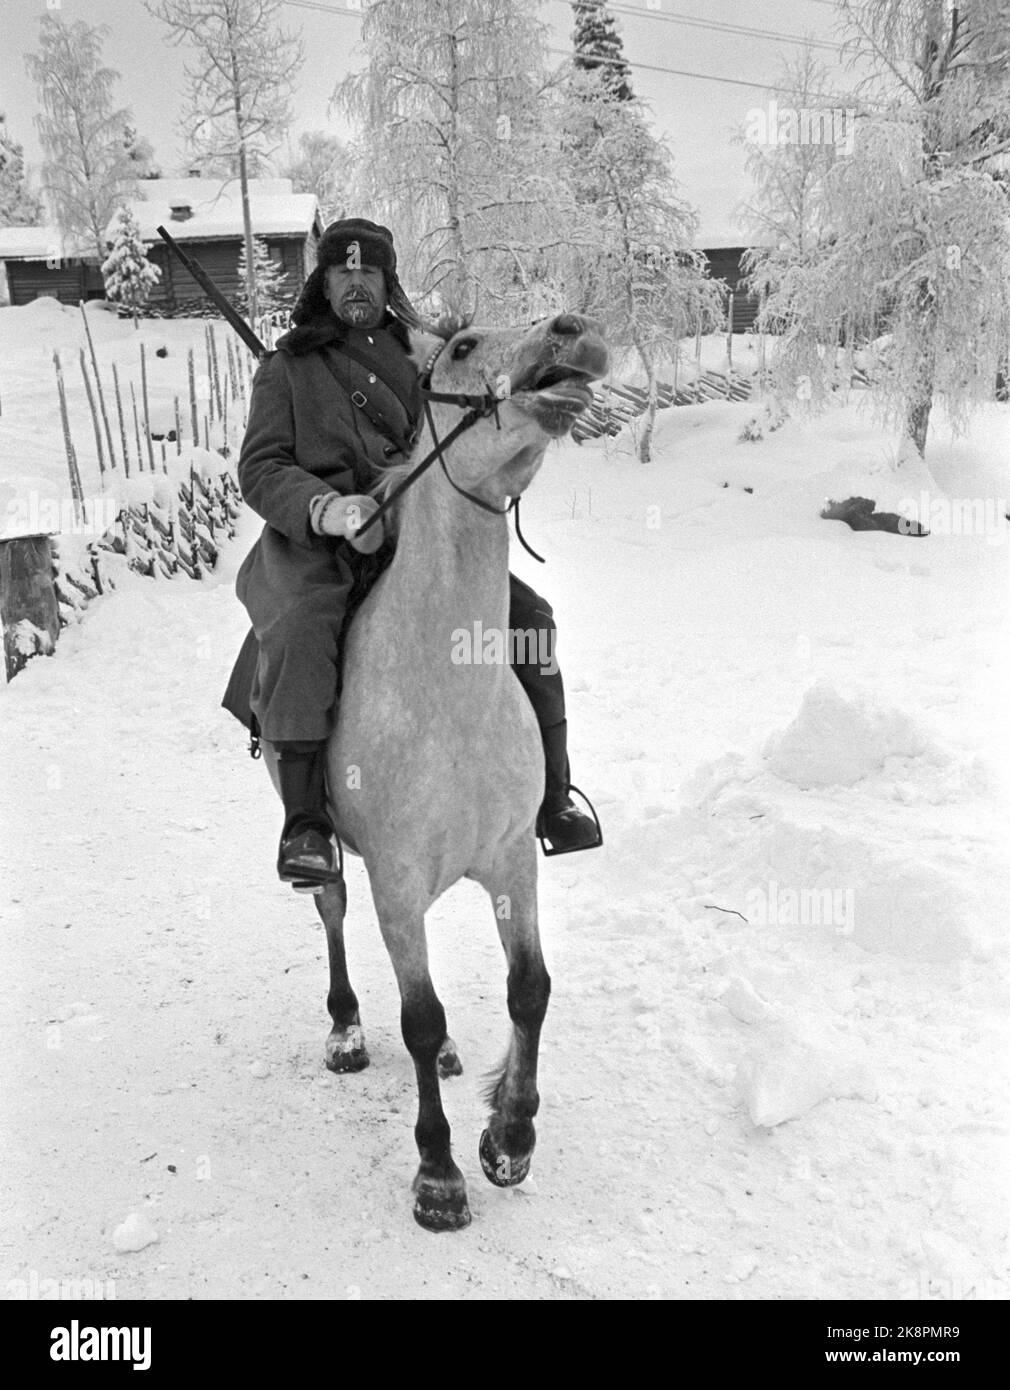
(217, 212)
(38, 244)
(216, 206)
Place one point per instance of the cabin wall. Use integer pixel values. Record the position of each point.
(70, 282)
(724, 264)
(220, 259)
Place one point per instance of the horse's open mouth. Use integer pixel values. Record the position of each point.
(557, 395)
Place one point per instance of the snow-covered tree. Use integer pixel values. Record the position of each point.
(917, 220)
(322, 167)
(140, 153)
(19, 205)
(632, 265)
(129, 276)
(240, 85)
(598, 47)
(789, 147)
(87, 168)
(268, 278)
(457, 153)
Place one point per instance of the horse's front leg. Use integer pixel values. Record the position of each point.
(345, 1046)
(439, 1189)
(506, 1146)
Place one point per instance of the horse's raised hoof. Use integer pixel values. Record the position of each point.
(501, 1168)
(448, 1060)
(346, 1050)
(441, 1206)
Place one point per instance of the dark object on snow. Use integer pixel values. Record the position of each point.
(748, 489)
(858, 512)
(161, 352)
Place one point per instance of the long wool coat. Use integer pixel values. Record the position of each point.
(305, 437)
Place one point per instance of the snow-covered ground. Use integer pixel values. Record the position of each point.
(775, 1063)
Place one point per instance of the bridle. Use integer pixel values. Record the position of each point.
(477, 408)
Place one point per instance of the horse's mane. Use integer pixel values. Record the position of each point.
(445, 327)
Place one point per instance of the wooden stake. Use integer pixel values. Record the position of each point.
(216, 376)
(122, 422)
(94, 418)
(76, 490)
(147, 407)
(192, 398)
(98, 383)
(136, 426)
(210, 372)
(178, 428)
(729, 333)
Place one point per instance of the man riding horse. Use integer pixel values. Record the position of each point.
(333, 406)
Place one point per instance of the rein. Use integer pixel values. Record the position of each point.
(477, 408)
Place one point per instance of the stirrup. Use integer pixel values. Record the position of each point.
(309, 880)
(549, 853)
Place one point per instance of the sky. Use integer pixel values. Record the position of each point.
(696, 114)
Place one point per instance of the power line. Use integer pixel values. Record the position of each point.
(631, 62)
(703, 76)
(717, 26)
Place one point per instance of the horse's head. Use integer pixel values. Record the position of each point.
(542, 376)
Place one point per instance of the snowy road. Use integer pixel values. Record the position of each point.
(166, 996)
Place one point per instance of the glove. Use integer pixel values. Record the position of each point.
(344, 516)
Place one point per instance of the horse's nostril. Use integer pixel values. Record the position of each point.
(567, 325)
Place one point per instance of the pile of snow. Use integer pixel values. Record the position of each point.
(812, 835)
(837, 742)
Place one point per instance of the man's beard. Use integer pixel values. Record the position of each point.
(360, 311)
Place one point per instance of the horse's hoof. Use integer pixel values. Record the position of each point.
(346, 1051)
(441, 1208)
(448, 1060)
(500, 1168)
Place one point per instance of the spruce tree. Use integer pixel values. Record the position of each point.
(268, 278)
(129, 276)
(598, 48)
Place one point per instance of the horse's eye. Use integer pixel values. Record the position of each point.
(463, 349)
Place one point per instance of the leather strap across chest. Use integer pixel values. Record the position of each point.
(372, 394)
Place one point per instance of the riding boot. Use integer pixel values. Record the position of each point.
(560, 822)
(306, 855)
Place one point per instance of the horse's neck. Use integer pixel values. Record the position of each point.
(451, 562)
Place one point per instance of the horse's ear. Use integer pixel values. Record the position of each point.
(422, 345)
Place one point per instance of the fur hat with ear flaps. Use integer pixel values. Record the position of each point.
(313, 317)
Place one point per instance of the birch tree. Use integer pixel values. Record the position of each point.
(790, 146)
(322, 167)
(240, 84)
(20, 206)
(457, 154)
(917, 219)
(87, 168)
